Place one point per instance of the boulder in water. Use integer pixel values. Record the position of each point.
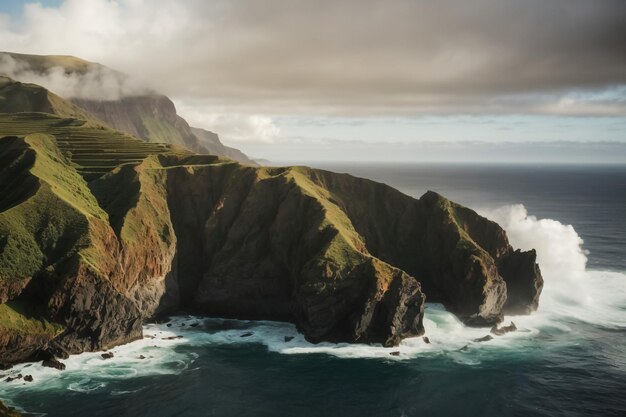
(499, 331)
(53, 363)
(484, 338)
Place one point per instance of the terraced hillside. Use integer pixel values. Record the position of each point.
(93, 149)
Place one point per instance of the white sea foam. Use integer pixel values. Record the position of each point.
(90, 372)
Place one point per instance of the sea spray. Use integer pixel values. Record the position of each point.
(570, 290)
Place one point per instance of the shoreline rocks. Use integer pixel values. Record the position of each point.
(53, 363)
(499, 331)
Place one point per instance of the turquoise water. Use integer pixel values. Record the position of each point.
(567, 359)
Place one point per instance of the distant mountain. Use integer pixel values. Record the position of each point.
(150, 117)
(121, 103)
(262, 162)
(211, 141)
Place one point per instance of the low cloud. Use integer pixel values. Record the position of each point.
(353, 57)
(91, 81)
(232, 127)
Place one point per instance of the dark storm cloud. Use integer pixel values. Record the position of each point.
(444, 56)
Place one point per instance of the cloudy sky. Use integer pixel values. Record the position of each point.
(481, 80)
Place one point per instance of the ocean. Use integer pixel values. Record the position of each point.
(567, 359)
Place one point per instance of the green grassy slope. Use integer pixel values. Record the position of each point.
(52, 221)
(15, 318)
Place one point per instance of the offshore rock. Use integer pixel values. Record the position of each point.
(499, 331)
(53, 363)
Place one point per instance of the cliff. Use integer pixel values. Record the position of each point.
(100, 232)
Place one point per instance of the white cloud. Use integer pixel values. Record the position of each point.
(93, 82)
(232, 127)
(243, 128)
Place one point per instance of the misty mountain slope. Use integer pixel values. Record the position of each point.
(45, 63)
(113, 98)
(100, 231)
(17, 97)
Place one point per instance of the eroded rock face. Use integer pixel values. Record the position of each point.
(345, 259)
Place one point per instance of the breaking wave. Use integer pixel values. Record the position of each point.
(570, 290)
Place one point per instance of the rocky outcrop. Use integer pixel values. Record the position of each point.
(84, 264)
(53, 363)
(499, 331)
(266, 237)
(460, 258)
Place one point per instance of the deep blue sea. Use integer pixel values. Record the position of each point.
(567, 359)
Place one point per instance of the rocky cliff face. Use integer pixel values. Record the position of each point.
(151, 117)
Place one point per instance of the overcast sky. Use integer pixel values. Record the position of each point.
(359, 79)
